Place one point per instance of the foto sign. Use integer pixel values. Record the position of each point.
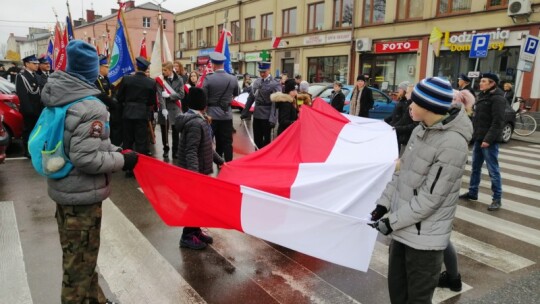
(479, 46)
(529, 48)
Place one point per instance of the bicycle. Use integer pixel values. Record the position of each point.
(525, 123)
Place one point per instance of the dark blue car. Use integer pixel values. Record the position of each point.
(382, 107)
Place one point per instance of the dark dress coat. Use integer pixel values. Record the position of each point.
(136, 93)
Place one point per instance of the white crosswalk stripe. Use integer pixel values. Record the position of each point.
(510, 205)
(508, 176)
(502, 165)
(516, 153)
(507, 189)
(528, 149)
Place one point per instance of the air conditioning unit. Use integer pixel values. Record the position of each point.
(202, 43)
(240, 56)
(363, 44)
(193, 58)
(183, 46)
(519, 7)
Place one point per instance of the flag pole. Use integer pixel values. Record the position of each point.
(160, 18)
(55, 28)
(126, 33)
(70, 19)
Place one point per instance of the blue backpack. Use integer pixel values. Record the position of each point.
(46, 143)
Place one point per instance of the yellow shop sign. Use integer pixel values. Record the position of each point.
(462, 42)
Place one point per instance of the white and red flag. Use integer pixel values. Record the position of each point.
(310, 190)
(207, 70)
(60, 43)
(275, 42)
(167, 87)
(142, 51)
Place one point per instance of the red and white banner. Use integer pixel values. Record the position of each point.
(207, 70)
(396, 46)
(241, 100)
(167, 87)
(310, 190)
(60, 43)
(275, 42)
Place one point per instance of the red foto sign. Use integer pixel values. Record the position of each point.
(397, 46)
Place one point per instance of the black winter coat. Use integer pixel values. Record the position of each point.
(28, 91)
(195, 151)
(402, 108)
(287, 112)
(488, 117)
(136, 93)
(405, 125)
(338, 100)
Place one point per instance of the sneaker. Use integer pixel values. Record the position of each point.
(192, 242)
(446, 282)
(166, 155)
(203, 236)
(468, 196)
(495, 205)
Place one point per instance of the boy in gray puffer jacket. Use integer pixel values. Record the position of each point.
(78, 196)
(421, 199)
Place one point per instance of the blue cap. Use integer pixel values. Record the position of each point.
(491, 76)
(103, 60)
(217, 58)
(264, 66)
(434, 94)
(32, 58)
(464, 77)
(142, 62)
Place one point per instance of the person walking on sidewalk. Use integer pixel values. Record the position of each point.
(421, 199)
(488, 123)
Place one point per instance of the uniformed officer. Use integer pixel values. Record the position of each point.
(221, 88)
(29, 93)
(108, 96)
(136, 93)
(264, 116)
(43, 71)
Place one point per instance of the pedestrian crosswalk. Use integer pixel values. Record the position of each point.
(137, 270)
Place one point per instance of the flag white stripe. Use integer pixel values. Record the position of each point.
(134, 270)
(509, 205)
(333, 237)
(13, 278)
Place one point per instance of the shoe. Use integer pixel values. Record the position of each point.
(495, 205)
(469, 196)
(203, 236)
(446, 282)
(129, 174)
(166, 155)
(192, 242)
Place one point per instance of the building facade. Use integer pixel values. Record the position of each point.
(388, 40)
(141, 21)
(36, 43)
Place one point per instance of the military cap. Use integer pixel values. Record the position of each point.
(32, 58)
(103, 60)
(142, 62)
(217, 58)
(43, 59)
(464, 77)
(491, 76)
(264, 66)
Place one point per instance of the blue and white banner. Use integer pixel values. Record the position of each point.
(121, 63)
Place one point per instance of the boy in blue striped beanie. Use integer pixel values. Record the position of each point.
(420, 202)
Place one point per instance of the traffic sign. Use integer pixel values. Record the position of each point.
(479, 46)
(473, 74)
(529, 48)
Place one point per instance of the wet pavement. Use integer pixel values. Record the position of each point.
(141, 262)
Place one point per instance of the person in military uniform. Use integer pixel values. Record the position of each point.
(29, 93)
(44, 70)
(108, 97)
(79, 195)
(221, 88)
(136, 93)
(264, 115)
(169, 107)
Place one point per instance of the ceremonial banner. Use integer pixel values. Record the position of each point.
(121, 62)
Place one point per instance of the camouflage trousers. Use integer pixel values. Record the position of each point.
(79, 228)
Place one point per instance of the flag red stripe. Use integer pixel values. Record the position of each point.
(185, 198)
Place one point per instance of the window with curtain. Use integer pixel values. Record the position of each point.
(210, 36)
(267, 25)
(343, 12)
(199, 37)
(289, 22)
(497, 4)
(374, 11)
(410, 9)
(190, 39)
(250, 29)
(453, 6)
(315, 17)
(235, 31)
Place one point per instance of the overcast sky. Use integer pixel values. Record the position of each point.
(16, 16)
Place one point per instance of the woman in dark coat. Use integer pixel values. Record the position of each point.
(337, 99)
(286, 105)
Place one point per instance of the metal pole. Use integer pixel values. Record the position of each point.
(475, 69)
(519, 78)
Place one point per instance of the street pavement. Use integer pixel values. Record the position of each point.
(140, 261)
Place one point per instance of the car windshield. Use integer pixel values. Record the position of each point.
(326, 93)
(378, 96)
(316, 89)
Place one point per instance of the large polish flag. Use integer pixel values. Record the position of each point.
(310, 190)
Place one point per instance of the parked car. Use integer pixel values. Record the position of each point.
(509, 123)
(383, 106)
(13, 120)
(4, 138)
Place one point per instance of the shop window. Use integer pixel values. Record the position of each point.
(374, 11)
(387, 71)
(235, 31)
(250, 29)
(495, 4)
(315, 17)
(210, 35)
(267, 24)
(410, 9)
(447, 7)
(289, 21)
(343, 12)
(327, 69)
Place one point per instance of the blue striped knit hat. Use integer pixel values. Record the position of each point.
(433, 94)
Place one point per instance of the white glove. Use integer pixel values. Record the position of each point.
(165, 94)
(165, 112)
(155, 115)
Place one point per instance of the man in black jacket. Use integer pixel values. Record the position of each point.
(44, 70)
(29, 93)
(488, 122)
(136, 93)
(108, 97)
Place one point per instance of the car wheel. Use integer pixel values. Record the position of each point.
(507, 132)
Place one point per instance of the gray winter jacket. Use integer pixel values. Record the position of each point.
(260, 95)
(422, 197)
(86, 142)
(170, 103)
